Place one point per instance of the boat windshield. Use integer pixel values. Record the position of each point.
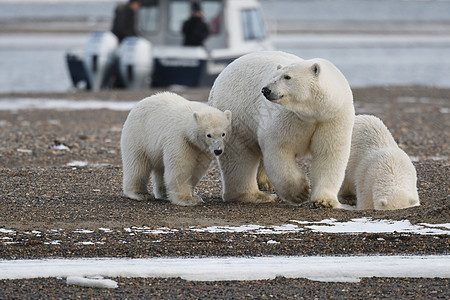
(253, 24)
(148, 17)
(154, 16)
(179, 11)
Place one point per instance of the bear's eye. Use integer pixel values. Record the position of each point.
(208, 135)
(223, 134)
(287, 77)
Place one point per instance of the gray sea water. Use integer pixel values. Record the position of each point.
(418, 53)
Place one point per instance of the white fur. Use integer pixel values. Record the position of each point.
(311, 112)
(379, 173)
(173, 139)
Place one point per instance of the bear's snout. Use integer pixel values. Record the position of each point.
(218, 152)
(266, 92)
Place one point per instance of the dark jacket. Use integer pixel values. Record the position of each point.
(195, 31)
(124, 22)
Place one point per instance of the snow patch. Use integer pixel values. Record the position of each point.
(254, 229)
(92, 282)
(22, 150)
(367, 225)
(323, 268)
(434, 158)
(81, 164)
(63, 104)
(77, 163)
(60, 147)
(83, 231)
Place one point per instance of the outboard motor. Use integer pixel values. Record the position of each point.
(100, 58)
(135, 62)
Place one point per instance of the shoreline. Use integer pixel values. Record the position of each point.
(67, 202)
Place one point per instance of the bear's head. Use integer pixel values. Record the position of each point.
(212, 129)
(312, 88)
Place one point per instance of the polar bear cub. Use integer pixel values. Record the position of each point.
(173, 140)
(379, 173)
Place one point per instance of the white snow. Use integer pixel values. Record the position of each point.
(24, 150)
(77, 163)
(60, 147)
(162, 230)
(251, 228)
(435, 158)
(354, 226)
(83, 231)
(367, 225)
(80, 164)
(324, 268)
(62, 104)
(92, 282)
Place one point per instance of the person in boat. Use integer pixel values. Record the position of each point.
(124, 19)
(195, 29)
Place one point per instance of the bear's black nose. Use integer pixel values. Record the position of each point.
(266, 91)
(218, 152)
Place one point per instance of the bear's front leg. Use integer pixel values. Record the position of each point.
(330, 150)
(291, 184)
(239, 170)
(264, 183)
(178, 178)
(159, 187)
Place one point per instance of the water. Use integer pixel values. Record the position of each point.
(37, 62)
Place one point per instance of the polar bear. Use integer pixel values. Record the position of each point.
(173, 139)
(379, 173)
(284, 107)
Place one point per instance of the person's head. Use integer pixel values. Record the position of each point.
(196, 9)
(134, 4)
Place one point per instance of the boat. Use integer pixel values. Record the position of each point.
(157, 58)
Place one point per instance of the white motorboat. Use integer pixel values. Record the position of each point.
(157, 57)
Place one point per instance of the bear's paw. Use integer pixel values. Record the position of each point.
(255, 198)
(187, 201)
(333, 203)
(138, 196)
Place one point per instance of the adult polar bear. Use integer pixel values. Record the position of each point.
(308, 110)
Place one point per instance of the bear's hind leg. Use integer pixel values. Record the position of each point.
(136, 173)
(239, 171)
(159, 187)
(347, 193)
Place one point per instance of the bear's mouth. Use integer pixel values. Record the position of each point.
(274, 99)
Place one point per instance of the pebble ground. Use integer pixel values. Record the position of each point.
(46, 198)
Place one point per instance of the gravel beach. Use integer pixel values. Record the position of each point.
(60, 176)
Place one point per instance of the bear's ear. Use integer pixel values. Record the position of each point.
(279, 67)
(315, 69)
(197, 117)
(228, 115)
